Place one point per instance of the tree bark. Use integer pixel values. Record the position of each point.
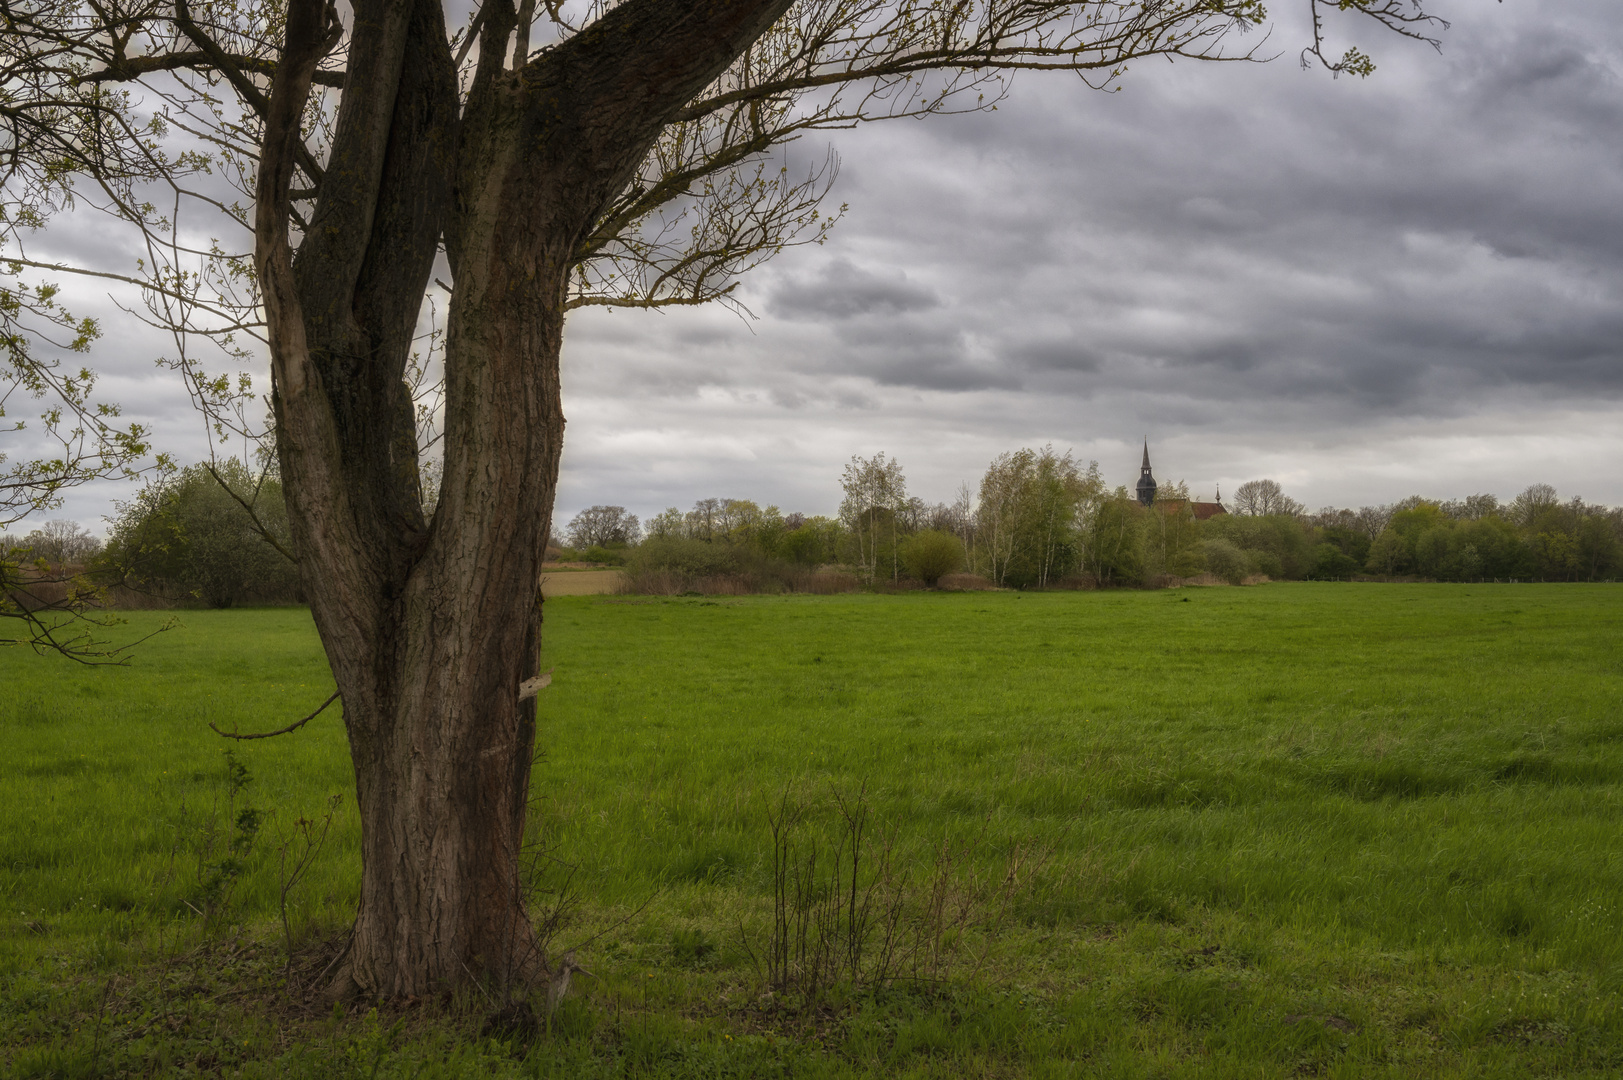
(430, 627)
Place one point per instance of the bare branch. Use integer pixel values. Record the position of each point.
(1408, 19)
(134, 67)
(296, 725)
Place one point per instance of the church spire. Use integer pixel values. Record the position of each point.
(1146, 480)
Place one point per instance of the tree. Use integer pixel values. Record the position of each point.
(620, 160)
(875, 492)
(603, 526)
(60, 542)
(1536, 502)
(1027, 518)
(1006, 490)
(1062, 489)
(1113, 539)
(704, 520)
(813, 541)
(668, 524)
(1263, 497)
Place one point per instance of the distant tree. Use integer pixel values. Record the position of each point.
(1347, 539)
(875, 492)
(1334, 517)
(1278, 545)
(1172, 538)
(1028, 516)
(603, 526)
(813, 542)
(1332, 563)
(931, 554)
(1600, 545)
(742, 521)
(1472, 507)
(769, 529)
(704, 520)
(957, 517)
(1061, 489)
(1006, 489)
(1259, 498)
(1113, 540)
(1530, 505)
(59, 543)
(669, 524)
(1371, 520)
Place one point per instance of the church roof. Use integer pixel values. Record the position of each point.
(1201, 510)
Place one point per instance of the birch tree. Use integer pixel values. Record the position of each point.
(875, 492)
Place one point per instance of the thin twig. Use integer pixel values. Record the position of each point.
(259, 526)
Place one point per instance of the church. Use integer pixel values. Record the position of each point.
(1146, 494)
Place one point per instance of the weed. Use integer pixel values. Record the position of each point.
(223, 849)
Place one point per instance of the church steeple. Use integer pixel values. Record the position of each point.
(1146, 480)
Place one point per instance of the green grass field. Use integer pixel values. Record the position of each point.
(1309, 829)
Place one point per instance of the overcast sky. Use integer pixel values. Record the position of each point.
(1364, 289)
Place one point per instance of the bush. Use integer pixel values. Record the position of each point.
(1330, 563)
(604, 556)
(188, 537)
(1225, 560)
(1190, 562)
(671, 566)
(1276, 544)
(692, 558)
(932, 554)
(968, 582)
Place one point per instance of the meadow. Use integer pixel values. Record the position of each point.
(1297, 829)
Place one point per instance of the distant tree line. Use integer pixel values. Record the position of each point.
(1041, 519)
(217, 535)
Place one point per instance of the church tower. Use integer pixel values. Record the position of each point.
(1146, 481)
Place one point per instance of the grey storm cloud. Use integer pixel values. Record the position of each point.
(843, 290)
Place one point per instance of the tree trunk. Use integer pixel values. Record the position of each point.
(431, 627)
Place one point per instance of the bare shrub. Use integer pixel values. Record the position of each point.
(1077, 582)
(964, 582)
(847, 908)
(768, 578)
(829, 582)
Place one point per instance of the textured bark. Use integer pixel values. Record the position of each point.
(430, 627)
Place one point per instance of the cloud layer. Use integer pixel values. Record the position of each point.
(1362, 288)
